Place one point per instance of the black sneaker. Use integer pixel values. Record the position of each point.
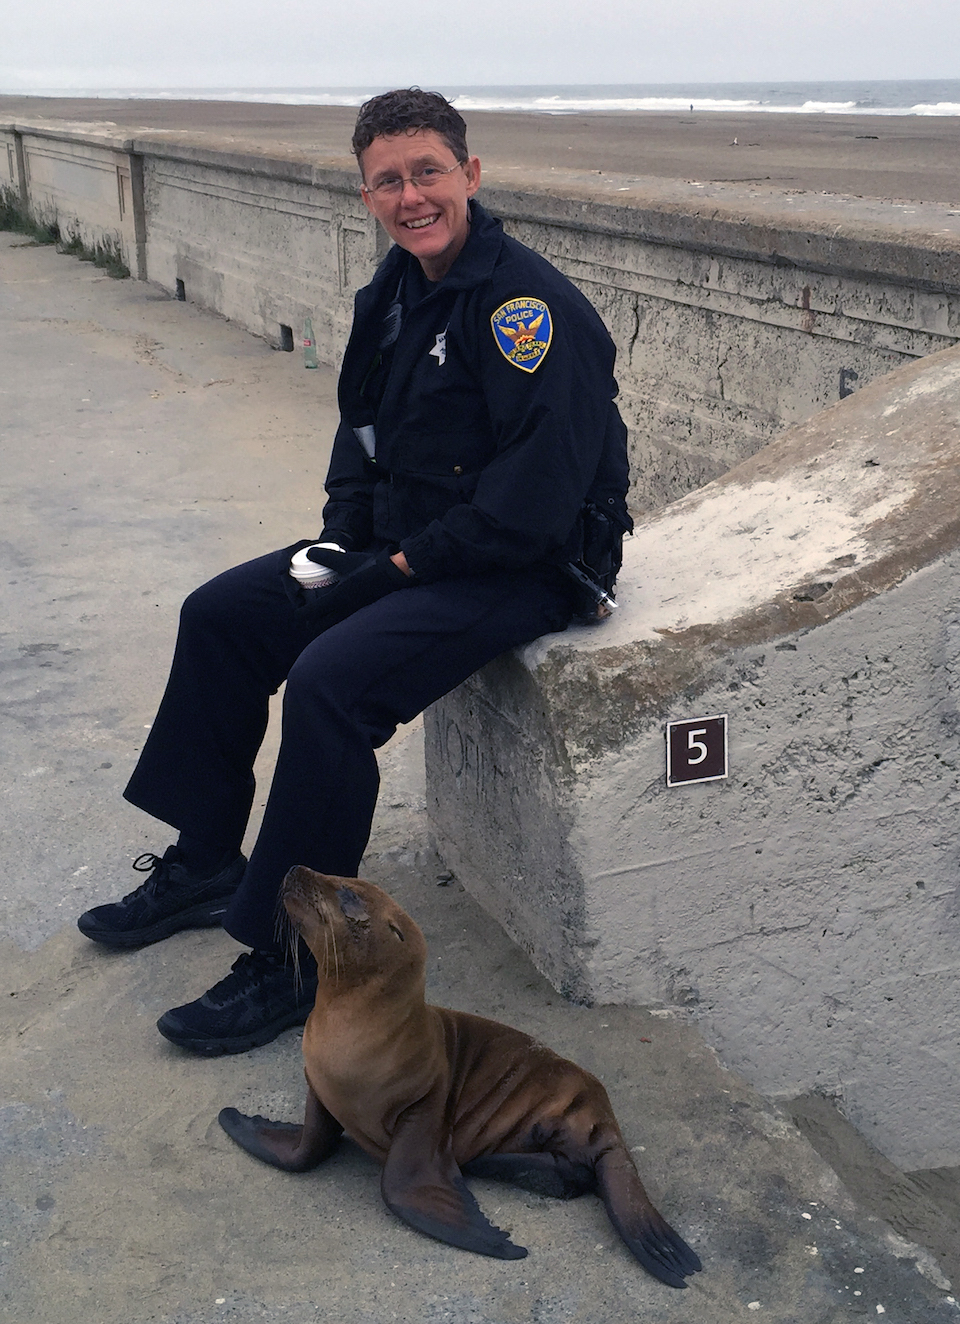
(257, 1001)
(170, 900)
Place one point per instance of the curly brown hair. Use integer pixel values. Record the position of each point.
(406, 110)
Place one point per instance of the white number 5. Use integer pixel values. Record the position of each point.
(693, 744)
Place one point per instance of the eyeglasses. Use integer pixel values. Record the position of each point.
(423, 179)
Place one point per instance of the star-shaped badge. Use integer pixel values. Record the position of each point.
(439, 351)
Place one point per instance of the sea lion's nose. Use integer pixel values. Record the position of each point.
(351, 905)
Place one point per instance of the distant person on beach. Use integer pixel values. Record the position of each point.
(479, 456)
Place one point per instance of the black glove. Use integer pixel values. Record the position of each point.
(345, 563)
(373, 578)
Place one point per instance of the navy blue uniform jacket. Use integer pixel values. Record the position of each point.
(479, 465)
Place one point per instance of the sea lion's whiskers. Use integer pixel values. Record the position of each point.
(330, 948)
(294, 950)
(336, 957)
(287, 934)
(329, 938)
(282, 923)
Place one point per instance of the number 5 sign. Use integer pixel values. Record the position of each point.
(697, 750)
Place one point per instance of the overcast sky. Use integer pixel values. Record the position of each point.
(262, 43)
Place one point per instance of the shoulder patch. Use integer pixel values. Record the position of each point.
(523, 329)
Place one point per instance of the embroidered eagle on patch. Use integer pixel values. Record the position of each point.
(523, 330)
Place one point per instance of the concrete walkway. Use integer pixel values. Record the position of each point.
(147, 445)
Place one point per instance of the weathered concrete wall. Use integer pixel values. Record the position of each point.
(85, 181)
(809, 904)
(266, 242)
(732, 321)
(11, 163)
(735, 312)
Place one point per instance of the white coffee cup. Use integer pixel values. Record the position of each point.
(310, 574)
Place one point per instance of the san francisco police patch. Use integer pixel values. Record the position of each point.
(523, 330)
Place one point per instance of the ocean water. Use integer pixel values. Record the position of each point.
(882, 97)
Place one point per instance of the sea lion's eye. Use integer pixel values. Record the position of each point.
(397, 932)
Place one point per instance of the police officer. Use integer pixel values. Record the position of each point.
(478, 425)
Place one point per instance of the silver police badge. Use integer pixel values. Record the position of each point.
(523, 330)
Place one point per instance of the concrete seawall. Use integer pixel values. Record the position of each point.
(805, 586)
(736, 311)
(806, 905)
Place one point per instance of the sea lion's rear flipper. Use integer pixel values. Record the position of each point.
(649, 1236)
(541, 1173)
(423, 1185)
(284, 1144)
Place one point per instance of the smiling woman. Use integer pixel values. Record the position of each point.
(420, 196)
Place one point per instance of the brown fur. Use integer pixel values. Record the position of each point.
(433, 1093)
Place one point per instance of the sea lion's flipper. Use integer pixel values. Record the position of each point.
(423, 1185)
(660, 1249)
(284, 1144)
(541, 1173)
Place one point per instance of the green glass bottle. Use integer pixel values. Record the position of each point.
(309, 345)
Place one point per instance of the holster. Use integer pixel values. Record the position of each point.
(600, 555)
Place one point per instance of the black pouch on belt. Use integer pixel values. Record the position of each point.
(601, 555)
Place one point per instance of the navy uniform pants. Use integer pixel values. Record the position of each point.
(348, 687)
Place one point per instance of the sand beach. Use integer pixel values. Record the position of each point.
(907, 158)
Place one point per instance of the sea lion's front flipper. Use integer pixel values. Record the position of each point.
(284, 1144)
(660, 1249)
(423, 1185)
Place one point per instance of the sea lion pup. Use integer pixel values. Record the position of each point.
(435, 1094)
